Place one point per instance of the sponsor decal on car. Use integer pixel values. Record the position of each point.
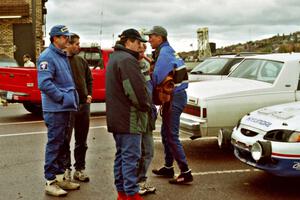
(296, 166)
(259, 121)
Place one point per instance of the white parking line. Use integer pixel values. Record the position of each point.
(37, 121)
(43, 132)
(158, 139)
(225, 172)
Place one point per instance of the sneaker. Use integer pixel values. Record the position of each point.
(167, 172)
(68, 174)
(66, 185)
(136, 196)
(183, 178)
(53, 189)
(80, 175)
(145, 188)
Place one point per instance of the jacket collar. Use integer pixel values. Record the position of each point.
(155, 53)
(119, 47)
(58, 51)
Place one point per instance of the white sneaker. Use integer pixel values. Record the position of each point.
(80, 175)
(66, 185)
(68, 175)
(145, 188)
(53, 189)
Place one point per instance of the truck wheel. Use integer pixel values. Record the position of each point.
(35, 109)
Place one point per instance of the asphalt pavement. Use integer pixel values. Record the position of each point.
(217, 173)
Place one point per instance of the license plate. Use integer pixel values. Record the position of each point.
(9, 95)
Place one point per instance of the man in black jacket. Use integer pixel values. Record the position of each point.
(80, 120)
(127, 107)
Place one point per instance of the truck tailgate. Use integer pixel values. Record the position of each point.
(21, 82)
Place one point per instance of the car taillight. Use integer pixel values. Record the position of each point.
(204, 112)
(192, 110)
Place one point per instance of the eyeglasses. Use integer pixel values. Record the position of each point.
(64, 36)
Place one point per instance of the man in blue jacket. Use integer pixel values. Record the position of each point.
(59, 98)
(166, 63)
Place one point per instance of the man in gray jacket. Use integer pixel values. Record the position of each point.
(127, 107)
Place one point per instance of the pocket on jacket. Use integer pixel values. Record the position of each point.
(69, 100)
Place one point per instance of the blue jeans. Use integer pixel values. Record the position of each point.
(170, 131)
(128, 153)
(147, 155)
(57, 123)
(80, 122)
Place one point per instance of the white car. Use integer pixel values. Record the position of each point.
(215, 68)
(269, 139)
(258, 81)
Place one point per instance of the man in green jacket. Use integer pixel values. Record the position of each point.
(127, 107)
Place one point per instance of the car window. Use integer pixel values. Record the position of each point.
(94, 59)
(234, 64)
(8, 64)
(260, 70)
(210, 66)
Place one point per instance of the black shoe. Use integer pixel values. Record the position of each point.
(183, 178)
(167, 172)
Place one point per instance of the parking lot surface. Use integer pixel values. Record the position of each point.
(217, 173)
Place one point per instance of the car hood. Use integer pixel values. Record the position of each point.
(228, 86)
(205, 77)
(282, 116)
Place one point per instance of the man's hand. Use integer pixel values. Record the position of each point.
(89, 99)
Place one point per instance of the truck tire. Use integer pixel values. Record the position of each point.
(35, 109)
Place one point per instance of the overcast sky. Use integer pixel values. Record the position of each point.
(229, 21)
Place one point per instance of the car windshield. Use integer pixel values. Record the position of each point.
(94, 59)
(257, 69)
(210, 66)
(8, 63)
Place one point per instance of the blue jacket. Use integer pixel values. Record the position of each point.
(55, 81)
(165, 62)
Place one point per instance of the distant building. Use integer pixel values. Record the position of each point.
(22, 25)
(203, 43)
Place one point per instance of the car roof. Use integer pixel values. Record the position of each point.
(283, 57)
(224, 56)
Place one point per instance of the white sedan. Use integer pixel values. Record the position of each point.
(215, 68)
(269, 139)
(257, 82)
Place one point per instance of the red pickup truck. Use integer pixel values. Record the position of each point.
(19, 84)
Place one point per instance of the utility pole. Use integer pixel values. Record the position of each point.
(101, 23)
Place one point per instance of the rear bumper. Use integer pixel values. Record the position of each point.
(193, 127)
(12, 97)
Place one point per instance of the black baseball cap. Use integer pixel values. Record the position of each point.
(132, 33)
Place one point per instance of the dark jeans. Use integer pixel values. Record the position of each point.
(57, 123)
(80, 122)
(170, 131)
(128, 146)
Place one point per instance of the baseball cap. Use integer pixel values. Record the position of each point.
(132, 33)
(59, 30)
(157, 30)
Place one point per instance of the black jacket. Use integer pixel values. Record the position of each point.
(127, 99)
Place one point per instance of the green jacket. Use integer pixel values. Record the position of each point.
(127, 99)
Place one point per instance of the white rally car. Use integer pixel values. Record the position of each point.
(269, 139)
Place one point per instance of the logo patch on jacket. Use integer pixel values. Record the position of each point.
(44, 65)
